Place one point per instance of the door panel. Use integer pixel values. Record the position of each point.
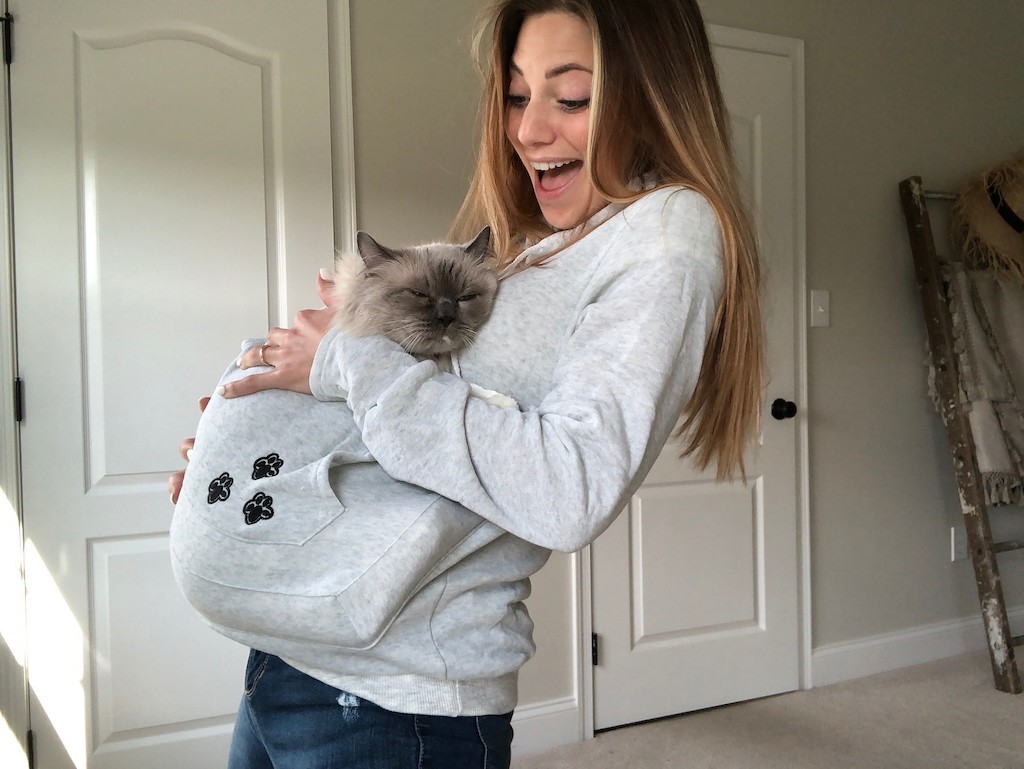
(703, 526)
(695, 597)
(172, 197)
(160, 196)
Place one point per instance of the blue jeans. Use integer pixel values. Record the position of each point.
(288, 720)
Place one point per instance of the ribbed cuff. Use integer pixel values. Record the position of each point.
(428, 696)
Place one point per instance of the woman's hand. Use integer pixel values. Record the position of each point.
(175, 481)
(289, 351)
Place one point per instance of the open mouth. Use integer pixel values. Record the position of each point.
(554, 176)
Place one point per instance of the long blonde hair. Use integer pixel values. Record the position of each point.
(657, 112)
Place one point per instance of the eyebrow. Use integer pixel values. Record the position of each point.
(555, 71)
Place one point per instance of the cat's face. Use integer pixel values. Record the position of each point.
(430, 299)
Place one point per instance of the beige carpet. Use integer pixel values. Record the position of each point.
(942, 715)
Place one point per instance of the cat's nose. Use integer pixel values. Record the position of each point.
(445, 312)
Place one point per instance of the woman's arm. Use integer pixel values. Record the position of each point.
(555, 475)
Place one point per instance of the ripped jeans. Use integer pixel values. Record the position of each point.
(288, 720)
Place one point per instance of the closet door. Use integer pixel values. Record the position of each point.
(695, 585)
(172, 196)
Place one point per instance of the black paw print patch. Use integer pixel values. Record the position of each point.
(259, 508)
(266, 467)
(220, 488)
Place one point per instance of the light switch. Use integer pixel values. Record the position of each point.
(819, 308)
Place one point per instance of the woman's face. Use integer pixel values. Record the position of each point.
(547, 115)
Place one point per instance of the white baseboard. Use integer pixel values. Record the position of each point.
(544, 725)
(879, 654)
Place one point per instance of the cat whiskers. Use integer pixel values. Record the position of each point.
(416, 342)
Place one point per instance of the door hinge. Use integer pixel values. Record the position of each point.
(8, 21)
(19, 401)
(593, 647)
(30, 749)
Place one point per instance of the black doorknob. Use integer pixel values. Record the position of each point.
(783, 409)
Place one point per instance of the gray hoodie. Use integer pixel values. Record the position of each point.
(382, 582)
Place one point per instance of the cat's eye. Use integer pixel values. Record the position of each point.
(468, 297)
(417, 294)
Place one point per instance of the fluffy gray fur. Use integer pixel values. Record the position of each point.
(431, 299)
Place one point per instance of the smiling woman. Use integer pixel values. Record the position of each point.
(614, 171)
(548, 120)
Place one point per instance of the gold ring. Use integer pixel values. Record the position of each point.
(263, 361)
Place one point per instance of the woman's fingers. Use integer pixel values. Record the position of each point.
(174, 485)
(325, 288)
(185, 450)
(255, 356)
(288, 351)
(272, 380)
(262, 355)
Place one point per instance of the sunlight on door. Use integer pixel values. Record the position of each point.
(57, 674)
(12, 626)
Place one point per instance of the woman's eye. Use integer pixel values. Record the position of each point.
(516, 102)
(468, 297)
(574, 105)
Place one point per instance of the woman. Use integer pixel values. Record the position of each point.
(604, 157)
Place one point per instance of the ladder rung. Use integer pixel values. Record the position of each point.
(1017, 640)
(1011, 544)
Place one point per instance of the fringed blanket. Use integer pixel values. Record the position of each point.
(988, 331)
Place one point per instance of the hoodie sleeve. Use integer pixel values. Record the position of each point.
(555, 475)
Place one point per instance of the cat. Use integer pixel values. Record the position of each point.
(430, 299)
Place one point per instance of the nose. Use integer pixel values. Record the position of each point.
(444, 311)
(534, 125)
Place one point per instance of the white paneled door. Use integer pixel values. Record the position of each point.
(172, 196)
(695, 589)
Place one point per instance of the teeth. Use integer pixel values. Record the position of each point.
(549, 166)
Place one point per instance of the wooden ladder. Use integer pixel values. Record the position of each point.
(1001, 644)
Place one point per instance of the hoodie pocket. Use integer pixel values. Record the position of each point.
(269, 506)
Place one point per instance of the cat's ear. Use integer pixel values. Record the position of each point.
(480, 246)
(372, 251)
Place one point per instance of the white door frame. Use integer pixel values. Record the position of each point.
(793, 49)
(343, 156)
(14, 695)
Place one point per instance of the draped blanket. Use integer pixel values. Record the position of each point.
(988, 331)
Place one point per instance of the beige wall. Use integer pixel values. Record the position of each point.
(893, 89)
(414, 101)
